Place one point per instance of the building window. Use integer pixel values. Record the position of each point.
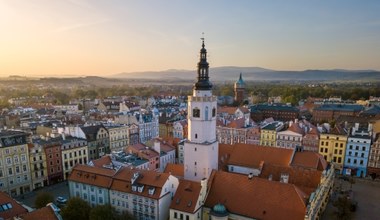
(196, 113)
(363, 148)
(213, 112)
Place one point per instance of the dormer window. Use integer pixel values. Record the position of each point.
(151, 190)
(134, 188)
(140, 188)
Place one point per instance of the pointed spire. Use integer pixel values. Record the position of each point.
(203, 78)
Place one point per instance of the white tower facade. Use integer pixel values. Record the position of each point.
(201, 149)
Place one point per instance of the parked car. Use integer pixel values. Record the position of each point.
(61, 200)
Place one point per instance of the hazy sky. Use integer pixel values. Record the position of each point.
(89, 37)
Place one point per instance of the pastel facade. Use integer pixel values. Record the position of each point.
(38, 167)
(357, 153)
(74, 151)
(332, 147)
(118, 135)
(14, 163)
(268, 136)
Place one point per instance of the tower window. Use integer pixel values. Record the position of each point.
(195, 149)
(196, 113)
(206, 113)
(213, 112)
(196, 136)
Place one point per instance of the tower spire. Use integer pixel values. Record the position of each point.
(203, 82)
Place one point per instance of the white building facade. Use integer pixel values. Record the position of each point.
(201, 149)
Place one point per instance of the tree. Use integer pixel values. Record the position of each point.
(103, 212)
(76, 208)
(42, 199)
(343, 204)
(107, 212)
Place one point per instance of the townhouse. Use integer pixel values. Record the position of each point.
(15, 176)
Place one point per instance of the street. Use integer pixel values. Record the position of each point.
(59, 189)
(366, 193)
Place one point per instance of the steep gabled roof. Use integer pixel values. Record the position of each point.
(175, 169)
(11, 207)
(186, 196)
(310, 160)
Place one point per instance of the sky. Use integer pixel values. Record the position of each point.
(93, 37)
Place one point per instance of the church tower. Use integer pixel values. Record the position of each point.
(201, 149)
(239, 89)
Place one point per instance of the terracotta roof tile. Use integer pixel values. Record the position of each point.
(252, 155)
(96, 176)
(16, 209)
(309, 159)
(237, 123)
(186, 196)
(175, 169)
(148, 178)
(45, 213)
(295, 127)
(256, 198)
(142, 151)
(306, 179)
(228, 110)
(105, 160)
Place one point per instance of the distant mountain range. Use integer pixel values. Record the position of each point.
(231, 73)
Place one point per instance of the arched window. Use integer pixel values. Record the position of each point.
(206, 113)
(196, 136)
(213, 112)
(196, 113)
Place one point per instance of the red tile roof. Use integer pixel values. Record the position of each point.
(105, 160)
(186, 196)
(309, 159)
(142, 151)
(45, 213)
(148, 178)
(256, 198)
(295, 127)
(306, 179)
(96, 176)
(250, 155)
(14, 209)
(175, 170)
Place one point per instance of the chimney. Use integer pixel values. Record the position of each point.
(157, 146)
(63, 136)
(356, 126)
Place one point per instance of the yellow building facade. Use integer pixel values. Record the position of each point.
(333, 147)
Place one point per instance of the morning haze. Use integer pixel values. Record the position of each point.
(80, 38)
